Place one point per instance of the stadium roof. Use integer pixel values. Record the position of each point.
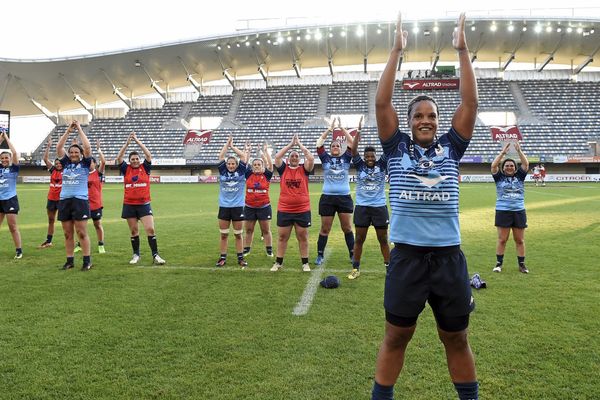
(64, 84)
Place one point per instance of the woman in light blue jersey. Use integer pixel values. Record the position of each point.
(426, 263)
(336, 196)
(510, 204)
(232, 188)
(9, 202)
(73, 206)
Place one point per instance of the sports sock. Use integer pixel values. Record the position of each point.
(355, 264)
(71, 260)
(350, 242)
(100, 243)
(240, 256)
(321, 243)
(87, 260)
(269, 249)
(304, 260)
(153, 245)
(279, 260)
(223, 256)
(135, 244)
(521, 260)
(381, 392)
(49, 238)
(467, 390)
(499, 258)
(246, 249)
(19, 250)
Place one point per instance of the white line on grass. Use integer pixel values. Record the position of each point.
(247, 270)
(308, 295)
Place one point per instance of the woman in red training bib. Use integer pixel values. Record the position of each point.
(258, 203)
(293, 209)
(136, 199)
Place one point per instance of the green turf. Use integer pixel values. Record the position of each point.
(188, 330)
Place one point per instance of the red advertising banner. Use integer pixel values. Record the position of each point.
(431, 84)
(338, 134)
(195, 136)
(506, 133)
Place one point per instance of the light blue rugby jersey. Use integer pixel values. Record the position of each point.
(335, 172)
(75, 178)
(8, 182)
(510, 191)
(232, 189)
(370, 182)
(424, 190)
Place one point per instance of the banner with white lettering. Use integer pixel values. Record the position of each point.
(431, 84)
(197, 136)
(506, 133)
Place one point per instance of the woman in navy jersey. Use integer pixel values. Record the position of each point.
(232, 182)
(9, 202)
(336, 196)
(257, 203)
(371, 203)
(56, 170)
(73, 207)
(426, 263)
(510, 204)
(136, 198)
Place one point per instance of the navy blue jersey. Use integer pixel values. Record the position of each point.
(370, 182)
(424, 189)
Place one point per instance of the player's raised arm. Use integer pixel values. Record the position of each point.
(147, 154)
(14, 155)
(121, 153)
(60, 146)
(498, 159)
(85, 143)
(466, 113)
(309, 159)
(47, 154)
(387, 118)
(283, 151)
(522, 157)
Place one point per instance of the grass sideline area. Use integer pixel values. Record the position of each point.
(188, 330)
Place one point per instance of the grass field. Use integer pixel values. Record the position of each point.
(190, 331)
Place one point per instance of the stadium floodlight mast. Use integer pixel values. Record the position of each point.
(190, 78)
(117, 90)
(583, 65)
(77, 97)
(153, 83)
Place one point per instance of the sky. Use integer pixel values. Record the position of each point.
(63, 28)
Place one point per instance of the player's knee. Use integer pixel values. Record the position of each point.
(519, 241)
(238, 233)
(324, 230)
(12, 227)
(359, 239)
(397, 337)
(454, 340)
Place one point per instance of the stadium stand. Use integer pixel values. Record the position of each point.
(557, 117)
